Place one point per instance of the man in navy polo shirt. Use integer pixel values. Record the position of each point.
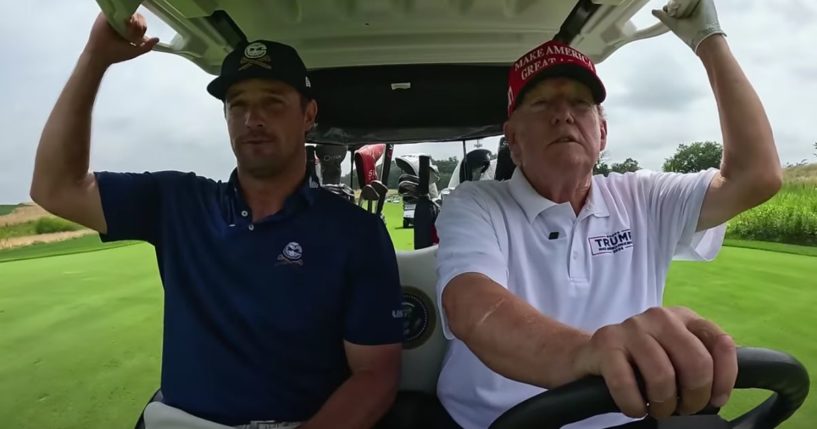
(281, 299)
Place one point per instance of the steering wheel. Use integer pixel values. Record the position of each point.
(757, 368)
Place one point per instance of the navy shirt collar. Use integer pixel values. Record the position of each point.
(302, 198)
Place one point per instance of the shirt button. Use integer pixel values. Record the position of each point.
(244, 213)
(575, 255)
(251, 227)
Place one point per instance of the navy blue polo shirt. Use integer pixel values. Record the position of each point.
(256, 314)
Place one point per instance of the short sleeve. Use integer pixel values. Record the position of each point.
(131, 205)
(675, 201)
(374, 300)
(468, 242)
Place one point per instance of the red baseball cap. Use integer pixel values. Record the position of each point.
(552, 59)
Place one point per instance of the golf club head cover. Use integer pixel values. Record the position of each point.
(330, 158)
(366, 163)
(474, 164)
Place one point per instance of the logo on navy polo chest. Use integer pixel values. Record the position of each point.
(611, 243)
(292, 254)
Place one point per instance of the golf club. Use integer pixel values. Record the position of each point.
(368, 194)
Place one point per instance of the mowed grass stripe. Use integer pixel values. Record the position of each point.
(83, 333)
(761, 298)
(87, 243)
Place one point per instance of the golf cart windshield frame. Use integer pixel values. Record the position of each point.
(433, 72)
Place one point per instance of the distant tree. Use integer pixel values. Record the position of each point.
(695, 157)
(602, 167)
(801, 163)
(446, 168)
(628, 165)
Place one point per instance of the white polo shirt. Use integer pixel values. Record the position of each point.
(598, 268)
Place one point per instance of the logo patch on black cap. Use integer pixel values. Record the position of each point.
(255, 50)
(255, 54)
(261, 59)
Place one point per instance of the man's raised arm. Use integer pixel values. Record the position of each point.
(62, 183)
(750, 172)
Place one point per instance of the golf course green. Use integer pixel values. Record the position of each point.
(81, 332)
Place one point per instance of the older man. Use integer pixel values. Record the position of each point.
(557, 274)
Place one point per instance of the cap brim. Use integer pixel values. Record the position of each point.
(219, 86)
(571, 71)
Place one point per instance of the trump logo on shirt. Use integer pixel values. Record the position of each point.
(611, 243)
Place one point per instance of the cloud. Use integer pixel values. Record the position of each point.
(653, 75)
(154, 113)
(151, 113)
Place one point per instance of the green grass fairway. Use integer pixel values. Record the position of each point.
(80, 339)
(763, 299)
(80, 334)
(7, 208)
(793, 249)
(403, 238)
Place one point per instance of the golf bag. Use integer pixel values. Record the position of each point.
(504, 163)
(382, 186)
(311, 164)
(474, 165)
(372, 189)
(328, 159)
(410, 164)
(426, 211)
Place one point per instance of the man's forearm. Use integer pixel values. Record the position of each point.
(63, 154)
(509, 336)
(749, 149)
(359, 402)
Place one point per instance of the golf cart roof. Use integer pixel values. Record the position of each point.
(397, 71)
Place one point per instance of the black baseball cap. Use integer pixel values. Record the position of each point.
(261, 59)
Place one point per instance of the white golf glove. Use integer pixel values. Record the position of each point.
(691, 20)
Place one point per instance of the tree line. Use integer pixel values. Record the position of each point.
(688, 158)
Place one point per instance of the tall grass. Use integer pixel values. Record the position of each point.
(18, 230)
(804, 173)
(789, 217)
(45, 225)
(48, 225)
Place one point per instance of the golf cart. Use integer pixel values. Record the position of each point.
(403, 72)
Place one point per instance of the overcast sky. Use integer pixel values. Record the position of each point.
(154, 113)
